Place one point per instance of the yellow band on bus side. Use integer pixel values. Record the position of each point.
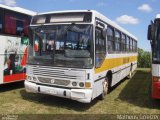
(115, 62)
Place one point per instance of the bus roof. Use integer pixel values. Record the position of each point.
(19, 9)
(98, 15)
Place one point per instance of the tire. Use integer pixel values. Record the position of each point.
(105, 89)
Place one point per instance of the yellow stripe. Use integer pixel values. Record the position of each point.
(115, 62)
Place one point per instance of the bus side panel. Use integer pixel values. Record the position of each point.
(134, 66)
(2, 43)
(14, 59)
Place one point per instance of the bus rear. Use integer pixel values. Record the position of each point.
(154, 37)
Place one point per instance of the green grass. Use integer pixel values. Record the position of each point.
(129, 97)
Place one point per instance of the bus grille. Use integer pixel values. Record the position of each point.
(54, 81)
(54, 75)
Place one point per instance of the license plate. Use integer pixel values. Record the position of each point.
(53, 92)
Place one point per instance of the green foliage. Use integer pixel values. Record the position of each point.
(144, 59)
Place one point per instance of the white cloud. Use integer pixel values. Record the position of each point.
(125, 19)
(101, 4)
(8, 2)
(145, 8)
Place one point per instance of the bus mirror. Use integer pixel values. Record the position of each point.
(150, 34)
(24, 40)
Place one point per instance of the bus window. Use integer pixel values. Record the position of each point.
(21, 24)
(10, 23)
(1, 24)
(127, 44)
(131, 45)
(71, 42)
(15, 23)
(26, 26)
(19, 27)
(110, 38)
(135, 46)
(123, 43)
(117, 40)
(100, 47)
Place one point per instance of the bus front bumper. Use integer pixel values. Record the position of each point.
(81, 95)
(156, 90)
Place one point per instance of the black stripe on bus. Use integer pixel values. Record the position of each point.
(124, 68)
(114, 73)
(99, 79)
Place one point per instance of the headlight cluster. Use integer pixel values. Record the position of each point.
(78, 84)
(31, 78)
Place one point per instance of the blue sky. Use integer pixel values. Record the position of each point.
(133, 15)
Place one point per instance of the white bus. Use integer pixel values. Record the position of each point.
(13, 51)
(78, 55)
(154, 37)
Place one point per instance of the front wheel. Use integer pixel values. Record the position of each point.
(105, 88)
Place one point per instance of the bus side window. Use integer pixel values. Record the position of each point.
(100, 46)
(10, 22)
(123, 43)
(127, 44)
(135, 46)
(131, 44)
(110, 39)
(117, 41)
(1, 21)
(22, 24)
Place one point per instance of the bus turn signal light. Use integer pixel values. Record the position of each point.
(87, 85)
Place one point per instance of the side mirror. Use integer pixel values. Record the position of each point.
(151, 32)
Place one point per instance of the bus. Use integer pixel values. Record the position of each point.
(13, 51)
(154, 37)
(78, 54)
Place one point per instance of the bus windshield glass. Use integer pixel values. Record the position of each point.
(156, 45)
(62, 45)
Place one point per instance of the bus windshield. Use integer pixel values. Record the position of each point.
(62, 45)
(156, 44)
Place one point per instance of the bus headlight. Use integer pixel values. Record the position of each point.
(29, 78)
(74, 84)
(81, 84)
(34, 78)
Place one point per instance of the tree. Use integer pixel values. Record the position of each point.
(144, 58)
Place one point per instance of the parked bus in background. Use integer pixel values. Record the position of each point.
(154, 37)
(13, 21)
(78, 55)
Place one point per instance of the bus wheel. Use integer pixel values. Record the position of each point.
(105, 89)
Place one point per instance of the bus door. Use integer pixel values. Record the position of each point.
(100, 46)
